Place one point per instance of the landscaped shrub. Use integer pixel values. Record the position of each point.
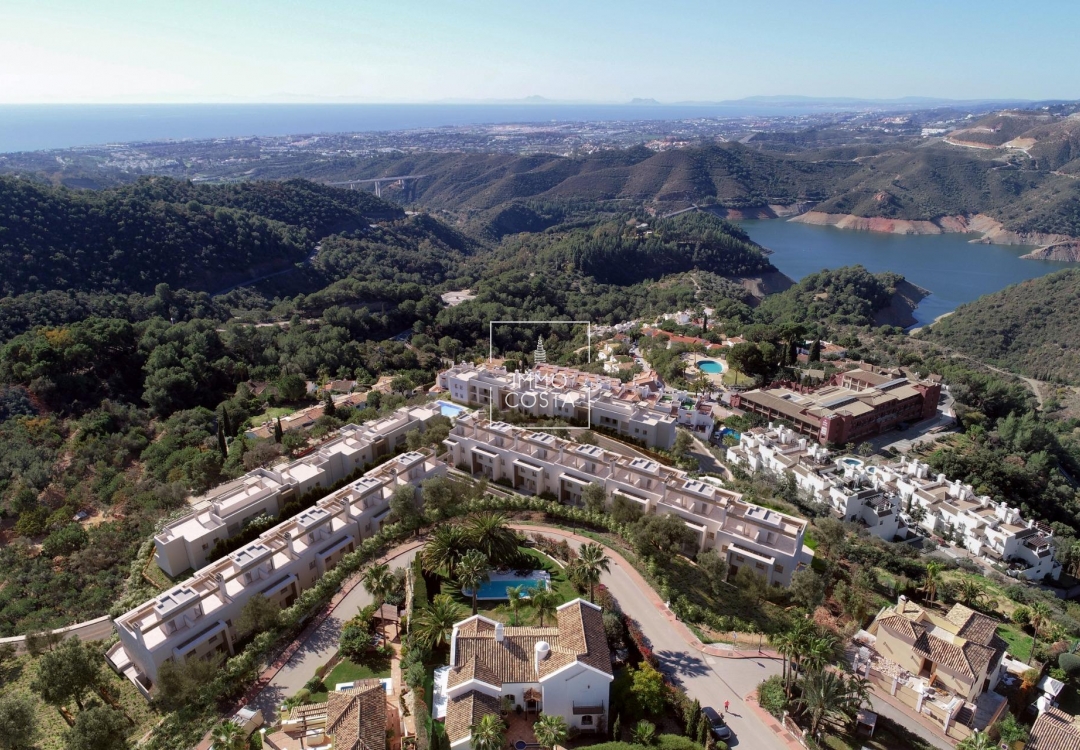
(771, 696)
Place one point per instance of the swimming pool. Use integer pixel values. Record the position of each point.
(448, 409)
(495, 587)
(852, 462)
(710, 366)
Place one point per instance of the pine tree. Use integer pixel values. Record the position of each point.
(222, 445)
(277, 431)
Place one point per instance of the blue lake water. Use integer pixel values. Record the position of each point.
(31, 127)
(950, 267)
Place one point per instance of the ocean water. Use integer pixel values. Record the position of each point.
(32, 127)
(949, 266)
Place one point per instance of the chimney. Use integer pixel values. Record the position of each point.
(500, 632)
(220, 579)
(542, 649)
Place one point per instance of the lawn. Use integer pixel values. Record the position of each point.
(500, 611)
(17, 674)
(272, 412)
(349, 671)
(1019, 642)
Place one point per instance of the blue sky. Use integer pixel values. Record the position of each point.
(405, 51)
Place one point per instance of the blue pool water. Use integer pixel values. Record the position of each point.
(495, 588)
(448, 409)
(709, 366)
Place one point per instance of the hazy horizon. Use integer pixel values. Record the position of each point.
(124, 52)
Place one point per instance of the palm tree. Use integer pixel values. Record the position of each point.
(820, 652)
(515, 597)
(593, 562)
(489, 533)
(550, 730)
(643, 733)
(228, 735)
(472, 570)
(446, 547)
(977, 741)
(1039, 618)
(433, 625)
(379, 582)
(785, 645)
(489, 733)
(827, 696)
(932, 580)
(803, 633)
(544, 601)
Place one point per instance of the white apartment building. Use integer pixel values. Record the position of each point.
(891, 498)
(185, 543)
(196, 618)
(638, 409)
(743, 533)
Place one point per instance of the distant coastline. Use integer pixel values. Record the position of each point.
(35, 127)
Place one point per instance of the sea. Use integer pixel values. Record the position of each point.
(952, 268)
(34, 127)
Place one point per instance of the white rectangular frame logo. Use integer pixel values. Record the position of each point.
(491, 357)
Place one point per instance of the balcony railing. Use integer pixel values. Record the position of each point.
(588, 708)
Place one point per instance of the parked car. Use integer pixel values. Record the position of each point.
(720, 729)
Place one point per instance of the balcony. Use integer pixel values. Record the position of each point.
(583, 709)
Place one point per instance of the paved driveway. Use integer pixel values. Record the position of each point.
(318, 648)
(710, 679)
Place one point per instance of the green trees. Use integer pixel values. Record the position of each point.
(18, 721)
(403, 508)
(489, 533)
(649, 690)
(98, 728)
(515, 597)
(258, 615)
(807, 589)
(932, 580)
(433, 625)
(715, 569)
(593, 562)
(831, 697)
(228, 735)
(67, 673)
(550, 730)
(489, 733)
(660, 534)
(179, 684)
(438, 497)
(446, 547)
(977, 741)
(379, 582)
(643, 733)
(544, 602)
(472, 570)
(594, 498)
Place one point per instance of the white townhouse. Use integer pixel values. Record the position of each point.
(197, 617)
(743, 533)
(185, 543)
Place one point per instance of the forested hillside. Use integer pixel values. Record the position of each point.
(1032, 328)
(159, 230)
(847, 296)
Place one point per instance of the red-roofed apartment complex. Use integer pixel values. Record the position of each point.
(857, 405)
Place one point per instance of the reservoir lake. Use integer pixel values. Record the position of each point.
(950, 267)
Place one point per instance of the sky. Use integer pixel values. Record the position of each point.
(105, 51)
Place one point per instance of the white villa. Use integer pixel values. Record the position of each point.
(562, 669)
(185, 543)
(743, 533)
(196, 618)
(889, 499)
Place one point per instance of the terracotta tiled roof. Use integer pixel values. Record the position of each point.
(307, 711)
(578, 635)
(972, 626)
(356, 718)
(1054, 730)
(466, 710)
(473, 669)
(901, 627)
(944, 654)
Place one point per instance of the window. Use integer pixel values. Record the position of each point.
(311, 565)
(213, 639)
(205, 546)
(778, 568)
(586, 721)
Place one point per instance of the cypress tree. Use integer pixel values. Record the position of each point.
(225, 421)
(815, 351)
(616, 728)
(222, 445)
(330, 408)
(703, 729)
(277, 431)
